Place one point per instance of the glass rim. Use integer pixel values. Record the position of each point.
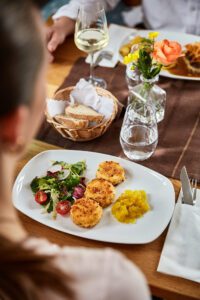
(97, 4)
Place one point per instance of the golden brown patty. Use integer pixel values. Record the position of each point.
(86, 212)
(101, 191)
(111, 171)
(192, 57)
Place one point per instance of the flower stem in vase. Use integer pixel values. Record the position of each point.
(148, 59)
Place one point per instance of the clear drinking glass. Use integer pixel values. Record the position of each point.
(139, 132)
(91, 34)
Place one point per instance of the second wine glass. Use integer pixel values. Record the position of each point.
(91, 35)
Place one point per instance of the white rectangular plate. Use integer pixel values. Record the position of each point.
(182, 38)
(159, 189)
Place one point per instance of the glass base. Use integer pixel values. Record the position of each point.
(97, 82)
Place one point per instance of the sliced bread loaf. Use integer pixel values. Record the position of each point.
(71, 123)
(79, 111)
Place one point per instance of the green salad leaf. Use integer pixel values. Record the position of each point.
(34, 185)
(56, 186)
(79, 167)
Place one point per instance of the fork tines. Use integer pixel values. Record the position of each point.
(194, 189)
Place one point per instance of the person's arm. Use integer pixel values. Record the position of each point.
(57, 33)
(71, 10)
(64, 21)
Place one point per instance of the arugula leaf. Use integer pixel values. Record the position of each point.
(47, 184)
(72, 180)
(78, 167)
(49, 208)
(35, 185)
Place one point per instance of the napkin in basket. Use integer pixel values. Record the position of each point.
(181, 252)
(55, 107)
(116, 36)
(83, 93)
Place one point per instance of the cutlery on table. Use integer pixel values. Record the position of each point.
(194, 189)
(186, 187)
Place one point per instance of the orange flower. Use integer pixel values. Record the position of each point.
(166, 52)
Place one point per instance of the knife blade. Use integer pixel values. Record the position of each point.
(186, 187)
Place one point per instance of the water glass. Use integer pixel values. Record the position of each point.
(139, 132)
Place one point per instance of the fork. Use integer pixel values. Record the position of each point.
(193, 183)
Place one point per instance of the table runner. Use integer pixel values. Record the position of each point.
(179, 132)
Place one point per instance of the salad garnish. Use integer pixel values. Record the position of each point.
(60, 187)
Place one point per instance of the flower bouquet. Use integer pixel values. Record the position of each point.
(147, 58)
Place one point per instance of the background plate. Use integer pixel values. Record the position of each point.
(159, 189)
(180, 37)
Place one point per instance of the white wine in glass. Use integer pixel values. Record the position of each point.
(91, 35)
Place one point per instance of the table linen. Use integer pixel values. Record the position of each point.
(179, 132)
(180, 254)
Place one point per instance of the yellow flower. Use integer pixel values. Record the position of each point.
(127, 59)
(135, 55)
(153, 35)
(131, 57)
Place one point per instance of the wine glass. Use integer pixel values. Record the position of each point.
(91, 35)
(139, 132)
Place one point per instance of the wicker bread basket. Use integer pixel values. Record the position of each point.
(86, 134)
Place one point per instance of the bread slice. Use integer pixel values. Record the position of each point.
(79, 111)
(71, 123)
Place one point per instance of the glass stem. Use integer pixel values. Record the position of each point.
(91, 66)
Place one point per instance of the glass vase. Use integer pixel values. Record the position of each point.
(149, 92)
(132, 77)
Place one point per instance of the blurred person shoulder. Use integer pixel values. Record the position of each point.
(104, 270)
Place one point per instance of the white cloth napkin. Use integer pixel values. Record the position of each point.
(83, 93)
(117, 34)
(181, 252)
(55, 107)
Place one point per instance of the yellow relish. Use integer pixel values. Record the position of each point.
(130, 206)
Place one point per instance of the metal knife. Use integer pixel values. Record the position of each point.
(186, 187)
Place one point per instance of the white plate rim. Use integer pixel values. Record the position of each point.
(27, 165)
(163, 73)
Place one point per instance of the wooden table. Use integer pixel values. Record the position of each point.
(146, 257)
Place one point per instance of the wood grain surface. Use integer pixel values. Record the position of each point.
(146, 257)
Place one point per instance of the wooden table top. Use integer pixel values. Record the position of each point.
(146, 257)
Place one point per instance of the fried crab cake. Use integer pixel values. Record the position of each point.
(100, 190)
(111, 171)
(86, 212)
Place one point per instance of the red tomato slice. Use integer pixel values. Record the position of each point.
(40, 197)
(63, 207)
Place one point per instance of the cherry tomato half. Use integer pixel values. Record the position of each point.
(63, 207)
(40, 197)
